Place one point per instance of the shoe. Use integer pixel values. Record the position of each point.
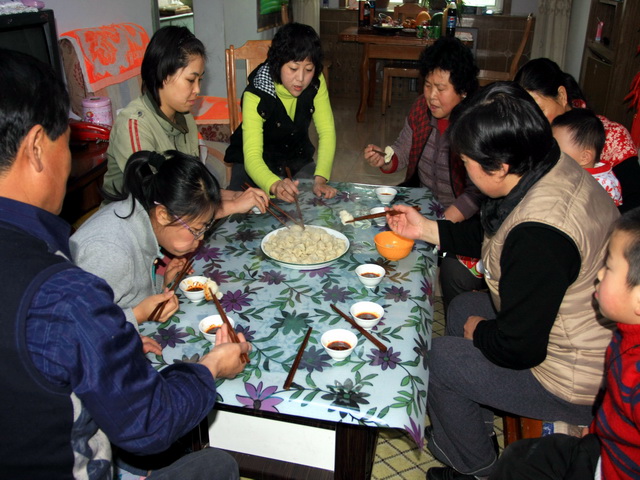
(447, 473)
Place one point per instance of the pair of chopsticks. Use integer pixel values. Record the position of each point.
(296, 362)
(378, 215)
(275, 207)
(370, 337)
(172, 286)
(296, 200)
(225, 320)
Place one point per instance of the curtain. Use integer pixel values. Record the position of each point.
(307, 12)
(552, 30)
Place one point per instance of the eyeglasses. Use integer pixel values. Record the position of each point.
(196, 233)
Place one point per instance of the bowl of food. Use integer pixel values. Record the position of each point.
(193, 288)
(380, 221)
(386, 194)
(370, 274)
(393, 246)
(387, 28)
(308, 249)
(210, 325)
(339, 343)
(366, 314)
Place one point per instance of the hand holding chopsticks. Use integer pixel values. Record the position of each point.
(274, 207)
(370, 337)
(296, 362)
(295, 198)
(155, 315)
(225, 320)
(378, 215)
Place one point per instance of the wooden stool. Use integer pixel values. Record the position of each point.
(516, 428)
(395, 70)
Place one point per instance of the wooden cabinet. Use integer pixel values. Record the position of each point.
(609, 65)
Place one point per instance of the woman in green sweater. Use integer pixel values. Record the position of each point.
(284, 94)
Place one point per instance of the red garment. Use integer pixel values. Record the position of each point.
(617, 422)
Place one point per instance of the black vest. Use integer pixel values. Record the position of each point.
(286, 142)
(36, 417)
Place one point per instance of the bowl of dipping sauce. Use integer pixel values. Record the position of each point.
(370, 274)
(210, 325)
(366, 314)
(193, 288)
(386, 194)
(379, 221)
(339, 343)
(392, 246)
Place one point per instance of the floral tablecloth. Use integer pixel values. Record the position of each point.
(274, 306)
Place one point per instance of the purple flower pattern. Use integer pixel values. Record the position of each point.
(388, 359)
(170, 336)
(259, 398)
(235, 301)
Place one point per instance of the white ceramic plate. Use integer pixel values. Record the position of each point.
(306, 266)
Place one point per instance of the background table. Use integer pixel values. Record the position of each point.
(273, 306)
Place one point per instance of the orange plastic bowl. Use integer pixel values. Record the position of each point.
(392, 246)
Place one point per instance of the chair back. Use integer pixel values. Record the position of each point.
(254, 52)
(523, 43)
(407, 10)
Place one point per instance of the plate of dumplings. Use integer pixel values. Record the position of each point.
(310, 248)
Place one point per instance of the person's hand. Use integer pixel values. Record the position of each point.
(245, 201)
(409, 224)
(145, 308)
(150, 345)
(174, 267)
(224, 360)
(374, 159)
(321, 189)
(285, 190)
(470, 326)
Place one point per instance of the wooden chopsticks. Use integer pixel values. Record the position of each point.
(273, 205)
(296, 362)
(296, 200)
(370, 337)
(377, 215)
(225, 319)
(379, 152)
(174, 284)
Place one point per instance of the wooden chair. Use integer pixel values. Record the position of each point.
(486, 77)
(254, 52)
(408, 69)
(516, 428)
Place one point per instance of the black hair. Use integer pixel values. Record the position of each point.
(586, 129)
(170, 49)
(180, 182)
(453, 56)
(30, 94)
(294, 42)
(501, 124)
(544, 77)
(630, 224)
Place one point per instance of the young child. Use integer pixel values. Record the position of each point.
(617, 423)
(580, 135)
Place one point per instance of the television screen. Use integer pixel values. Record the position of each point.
(33, 34)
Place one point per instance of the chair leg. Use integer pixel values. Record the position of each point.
(389, 91)
(385, 87)
(512, 430)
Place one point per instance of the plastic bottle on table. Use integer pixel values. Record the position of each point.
(452, 18)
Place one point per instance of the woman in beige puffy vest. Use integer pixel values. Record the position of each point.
(534, 344)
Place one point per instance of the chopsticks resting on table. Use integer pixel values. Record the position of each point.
(174, 284)
(273, 205)
(296, 362)
(370, 337)
(378, 215)
(225, 320)
(296, 200)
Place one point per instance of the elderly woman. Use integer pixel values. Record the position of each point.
(557, 92)
(534, 345)
(422, 147)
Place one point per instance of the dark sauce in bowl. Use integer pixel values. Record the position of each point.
(213, 329)
(370, 275)
(338, 345)
(194, 288)
(366, 316)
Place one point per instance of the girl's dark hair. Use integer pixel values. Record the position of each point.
(294, 42)
(630, 224)
(544, 77)
(501, 124)
(451, 55)
(180, 182)
(170, 49)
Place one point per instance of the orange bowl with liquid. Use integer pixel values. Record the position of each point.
(393, 246)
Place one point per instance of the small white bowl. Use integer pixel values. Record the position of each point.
(193, 282)
(210, 322)
(379, 221)
(370, 274)
(386, 194)
(370, 308)
(339, 335)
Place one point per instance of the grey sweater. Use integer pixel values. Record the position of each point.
(121, 251)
